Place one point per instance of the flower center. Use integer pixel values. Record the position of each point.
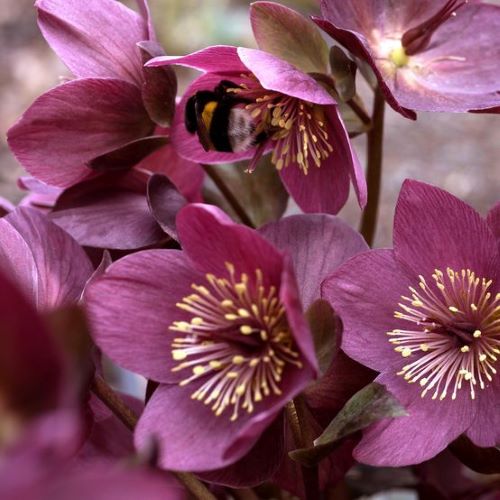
(399, 57)
(237, 343)
(297, 127)
(455, 339)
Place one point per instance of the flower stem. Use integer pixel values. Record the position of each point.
(374, 167)
(303, 437)
(113, 401)
(227, 193)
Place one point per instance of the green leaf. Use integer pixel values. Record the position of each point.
(367, 406)
(482, 460)
(261, 192)
(289, 35)
(325, 327)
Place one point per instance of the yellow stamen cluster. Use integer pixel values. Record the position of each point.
(297, 127)
(237, 343)
(456, 338)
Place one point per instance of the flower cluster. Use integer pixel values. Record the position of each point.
(278, 356)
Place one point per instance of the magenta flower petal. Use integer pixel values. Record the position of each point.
(420, 435)
(109, 211)
(131, 309)
(189, 446)
(73, 123)
(186, 175)
(343, 151)
(164, 202)
(494, 222)
(325, 189)
(371, 275)
(258, 465)
(231, 242)
(216, 59)
(446, 219)
(95, 38)
(485, 428)
(47, 264)
(317, 244)
(281, 76)
(289, 35)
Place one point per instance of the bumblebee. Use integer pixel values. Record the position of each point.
(220, 119)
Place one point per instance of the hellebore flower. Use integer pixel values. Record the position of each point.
(425, 315)
(107, 123)
(219, 325)
(437, 55)
(275, 104)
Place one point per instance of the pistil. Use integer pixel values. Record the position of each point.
(418, 38)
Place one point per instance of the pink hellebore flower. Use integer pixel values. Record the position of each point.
(220, 326)
(430, 55)
(425, 315)
(278, 106)
(106, 131)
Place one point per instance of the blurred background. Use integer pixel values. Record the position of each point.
(460, 153)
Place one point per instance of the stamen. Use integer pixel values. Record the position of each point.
(297, 128)
(456, 333)
(237, 343)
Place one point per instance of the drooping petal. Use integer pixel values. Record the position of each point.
(132, 306)
(46, 263)
(317, 244)
(186, 175)
(427, 429)
(109, 211)
(285, 33)
(228, 242)
(323, 189)
(281, 76)
(73, 123)
(174, 417)
(369, 285)
(465, 239)
(95, 38)
(216, 59)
